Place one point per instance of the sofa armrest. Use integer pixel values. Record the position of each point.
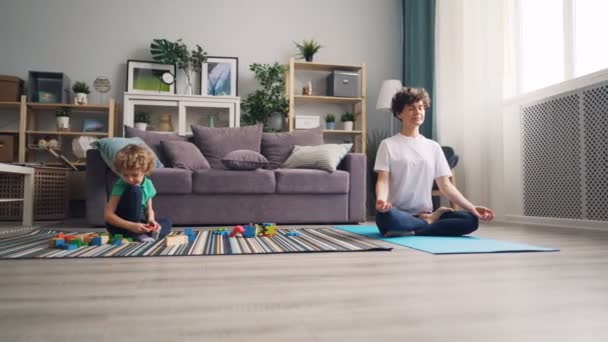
(356, 165)
(96, 187)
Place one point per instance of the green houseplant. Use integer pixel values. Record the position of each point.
(63, 118)
(308, 48)
(269, 101)
(81, 90)
(330, 121)
(141, 120)
(168, 52)
(348, 120)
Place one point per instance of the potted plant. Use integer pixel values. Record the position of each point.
(308, 48)
(348, 120)
(142, 119)
(81, 90)
(330, 121)
(177, 53)
(63, 118)
(269, 104)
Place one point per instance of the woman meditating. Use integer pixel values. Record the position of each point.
(407, 164)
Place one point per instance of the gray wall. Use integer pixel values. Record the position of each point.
(89, 38)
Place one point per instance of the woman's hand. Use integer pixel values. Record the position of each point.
(483, 213)
(383, 206)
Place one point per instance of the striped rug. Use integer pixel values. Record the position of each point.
(34, 245)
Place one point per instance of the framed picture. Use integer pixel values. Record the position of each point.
(145, 77)
(93, 125)
(219, 76)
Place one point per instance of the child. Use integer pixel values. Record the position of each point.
(129, 211)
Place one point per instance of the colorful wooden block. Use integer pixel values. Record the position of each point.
(174, 240)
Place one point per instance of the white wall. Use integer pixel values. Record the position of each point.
(89, 38)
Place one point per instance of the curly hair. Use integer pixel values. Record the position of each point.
(134, 157)
(408, 96)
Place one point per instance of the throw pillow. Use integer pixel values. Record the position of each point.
(215, 143)
(184, 155)
(276, 147)
(324, 157)
(153, 140)
(109, 146)
(244, 160)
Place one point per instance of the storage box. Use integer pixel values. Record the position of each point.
(49, 87)
(11, 88)
(8, 151)
(50, 194)
(343, 83)
(307, 121)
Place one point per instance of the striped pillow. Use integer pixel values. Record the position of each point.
(323, 157)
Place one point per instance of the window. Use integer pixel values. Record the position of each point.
(542, 43)
(591, 50)
(559, 40)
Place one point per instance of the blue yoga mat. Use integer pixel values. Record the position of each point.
(448, 245)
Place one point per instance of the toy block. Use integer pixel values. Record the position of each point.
(117, 242)
(293, 233)
(188, 231)
(60, 236)
(70, 247)
(270, 230)
(53, 242)
(59, 243)
(69, 238)
(117, 236)
(96, 241)
(176, 239)
(237, 230)
(250, 231)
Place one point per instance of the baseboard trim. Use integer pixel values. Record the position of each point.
(557, 222)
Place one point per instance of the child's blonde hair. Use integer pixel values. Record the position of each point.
(134, 157)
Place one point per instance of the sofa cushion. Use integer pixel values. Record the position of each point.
(323, 157)
(214, 181)
(303, 181)
(244, 160)
(215, 143)
(277, 147)
(172, 181)
(184, 155)
(153, 140)
(108, 147)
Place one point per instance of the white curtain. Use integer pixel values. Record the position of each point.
(472, 65)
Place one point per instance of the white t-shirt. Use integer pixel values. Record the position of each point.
(413, 164)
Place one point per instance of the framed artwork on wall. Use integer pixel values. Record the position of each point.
(219, 76)
(146, 77)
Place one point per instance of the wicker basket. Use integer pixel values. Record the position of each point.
(50, 194)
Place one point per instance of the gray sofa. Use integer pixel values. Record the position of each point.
(224, 197)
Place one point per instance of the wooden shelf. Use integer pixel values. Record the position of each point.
(9, 105)
(340, 131)
(7, 200)
(90, 134)
(9, 131)
(326, 99)
(73, 107)
(314, 66)
(355, 105)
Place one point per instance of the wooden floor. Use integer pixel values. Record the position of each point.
(403, 295)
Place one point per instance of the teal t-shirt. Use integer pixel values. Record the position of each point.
(147, 190)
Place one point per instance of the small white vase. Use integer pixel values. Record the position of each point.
(141, 126)
(80, 99)
(347, 125)
(276, 121)
(63, 122)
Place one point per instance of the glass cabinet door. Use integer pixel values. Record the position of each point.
(208, 114)
(163, 114)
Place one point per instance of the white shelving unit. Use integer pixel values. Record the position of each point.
(222, 111)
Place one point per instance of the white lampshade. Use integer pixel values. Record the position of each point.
(388, 90)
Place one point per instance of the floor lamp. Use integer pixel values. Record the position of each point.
(387, 91)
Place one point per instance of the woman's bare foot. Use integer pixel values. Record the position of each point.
(435, 215)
